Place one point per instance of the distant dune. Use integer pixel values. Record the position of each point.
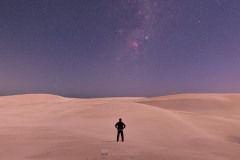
(181, 127)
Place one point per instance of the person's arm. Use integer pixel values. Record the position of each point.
(124, 126)
(116, 125)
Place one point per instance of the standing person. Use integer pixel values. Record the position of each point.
(120, 126)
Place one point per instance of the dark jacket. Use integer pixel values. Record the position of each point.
(120, 125)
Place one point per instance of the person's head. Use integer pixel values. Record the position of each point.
(120, 119)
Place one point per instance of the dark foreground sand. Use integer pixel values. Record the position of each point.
(177, 127)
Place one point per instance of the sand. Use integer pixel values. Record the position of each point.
(181, 127)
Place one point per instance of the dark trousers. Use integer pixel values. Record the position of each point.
(120, 132)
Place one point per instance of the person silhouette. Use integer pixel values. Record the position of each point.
(120, 127)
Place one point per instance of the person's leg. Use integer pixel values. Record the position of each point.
(122, 136)
(118, 135)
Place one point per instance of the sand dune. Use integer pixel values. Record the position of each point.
(185, 127)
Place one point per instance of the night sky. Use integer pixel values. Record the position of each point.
(106, 48)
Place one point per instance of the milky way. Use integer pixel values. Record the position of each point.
(142, 33)
(143, 16)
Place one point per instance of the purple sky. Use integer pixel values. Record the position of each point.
(99, 48)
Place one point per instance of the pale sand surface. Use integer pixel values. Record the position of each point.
(176, 127)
